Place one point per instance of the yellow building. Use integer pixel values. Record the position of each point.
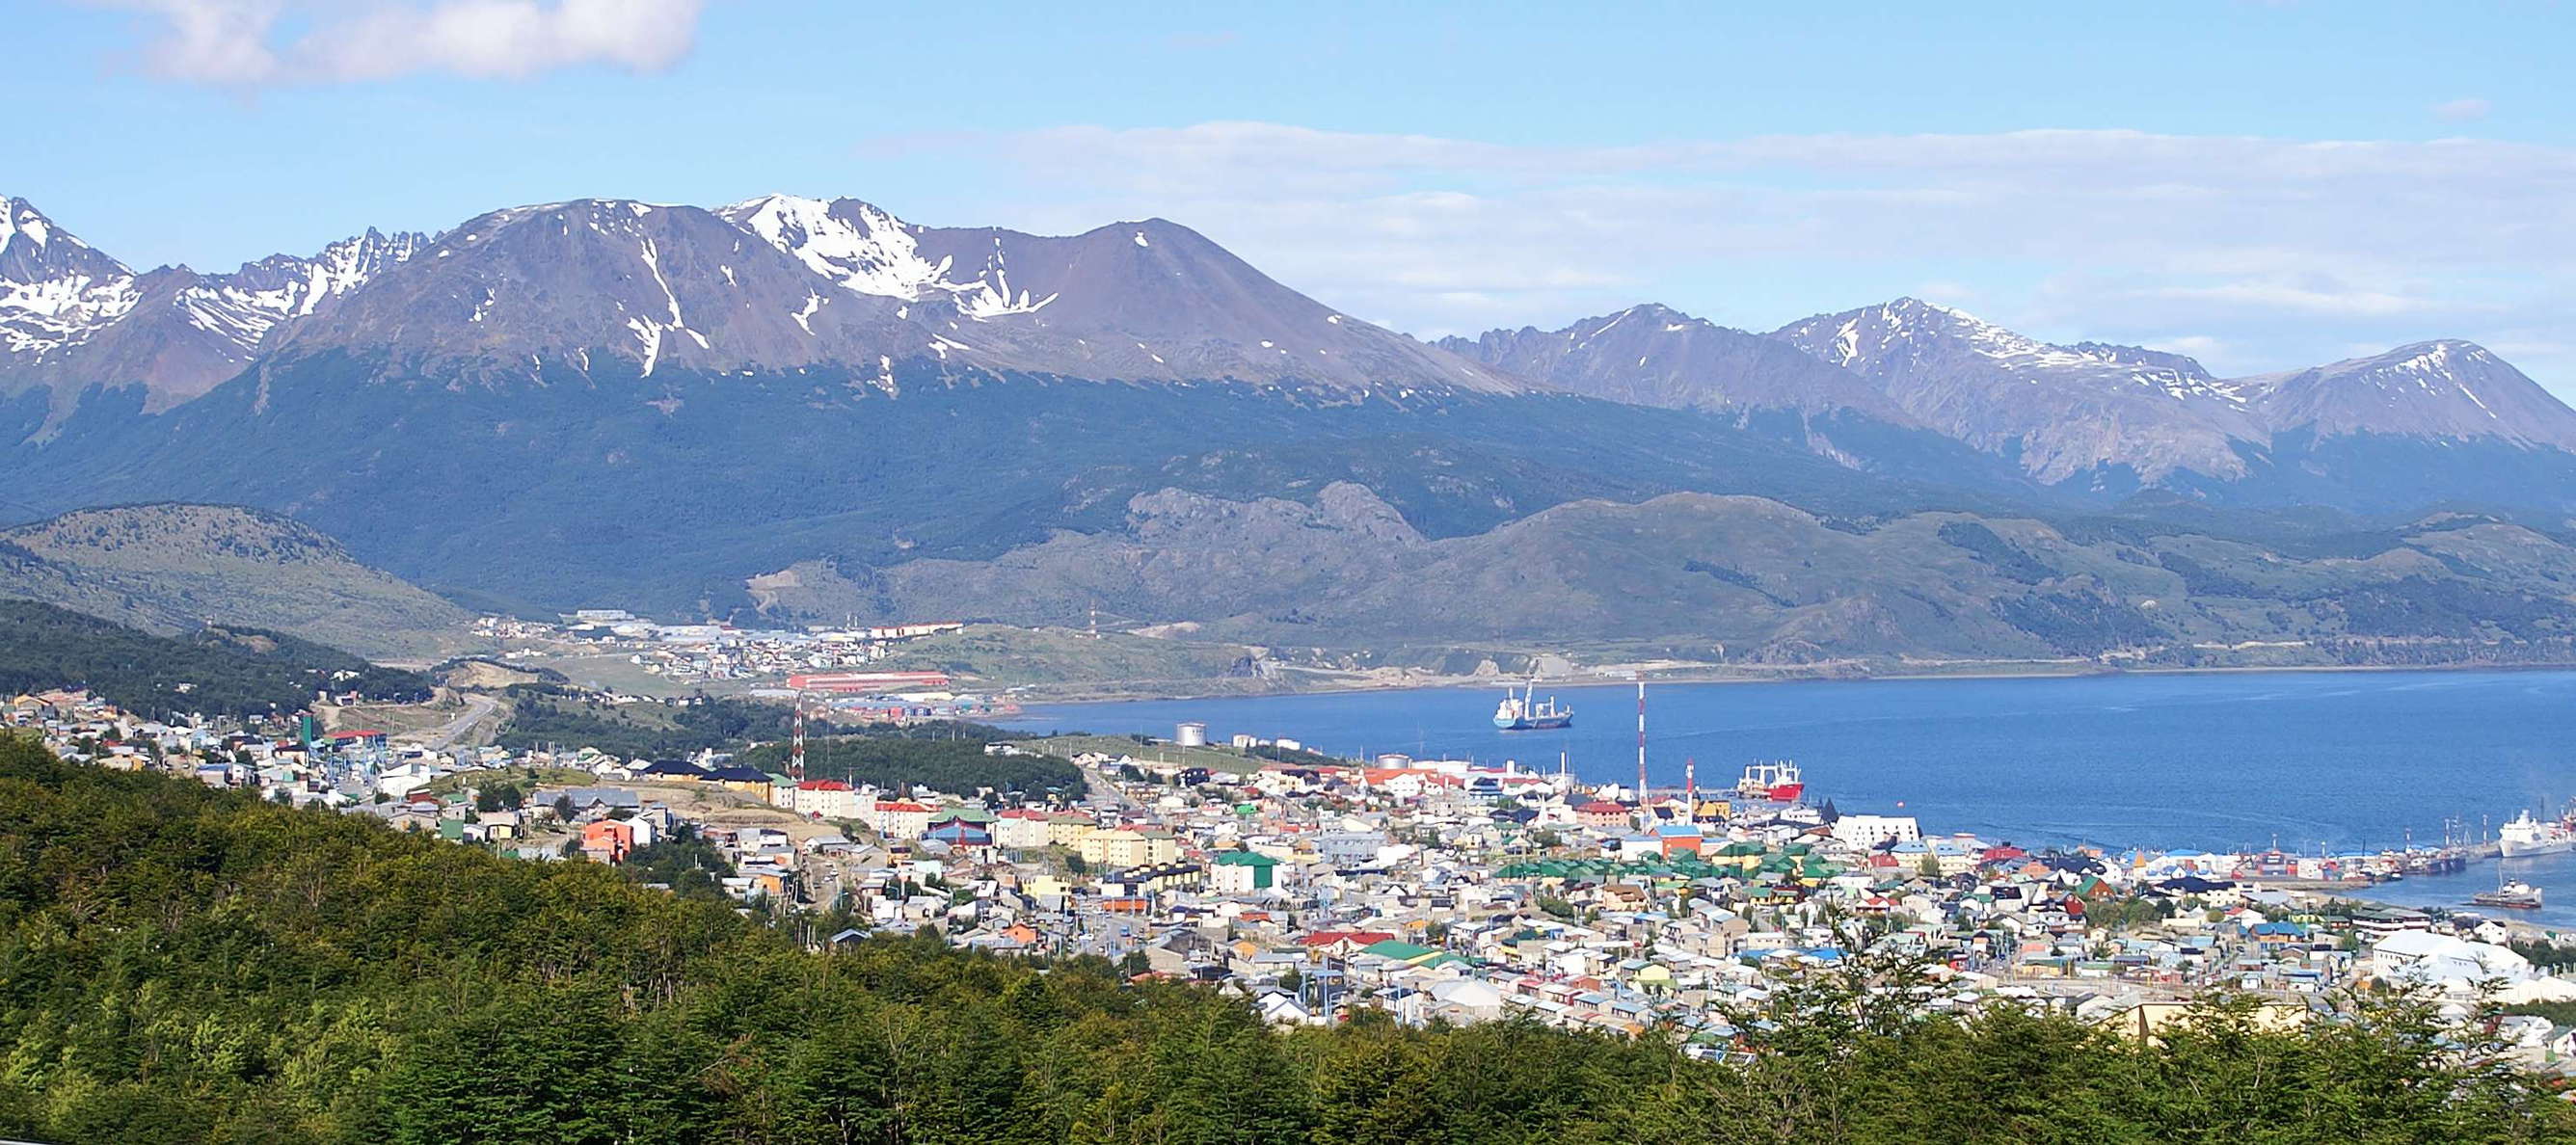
(1067, 829)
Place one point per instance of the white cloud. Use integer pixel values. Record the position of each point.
(2296, 299)
(2463, 109)
(2268, 251)
(246, 43)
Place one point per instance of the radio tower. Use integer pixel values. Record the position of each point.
(1690, 788)
(1641, 747)
(796, 743)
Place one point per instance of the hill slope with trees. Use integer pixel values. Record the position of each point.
(234, 671)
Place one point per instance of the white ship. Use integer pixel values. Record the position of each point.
(2513, 895)
(1522, 711)
(2526, 836)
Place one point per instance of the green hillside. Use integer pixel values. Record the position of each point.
(1758, 582)
(213, 670)
(945, 756)
(170, 568)
(180, 964)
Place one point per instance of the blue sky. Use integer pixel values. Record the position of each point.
(2265, 185)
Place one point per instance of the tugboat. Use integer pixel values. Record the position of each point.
(2513, 894)
(1522, 711)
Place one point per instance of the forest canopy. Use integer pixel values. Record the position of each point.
(213, 671)
(944, 756)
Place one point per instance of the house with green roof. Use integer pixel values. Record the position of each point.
(1242, 872)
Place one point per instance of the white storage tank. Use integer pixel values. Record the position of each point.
(1190, 735)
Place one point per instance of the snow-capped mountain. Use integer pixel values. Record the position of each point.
(2442, 389)
(1655, 355)
(55, 290)
(867, 251)
(255, 299)
(571, 285)
(2063, 410)
(71, 317)
(1148, 300)
(783, 283)
(602, 289)
(2066, 410)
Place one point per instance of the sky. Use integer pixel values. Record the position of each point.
(2263, 185)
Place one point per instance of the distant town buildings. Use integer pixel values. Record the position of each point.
(1431, 890)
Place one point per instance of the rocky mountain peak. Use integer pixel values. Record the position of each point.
(2446, 388)
(33, 250)
(2065, 410)
(1652, 354)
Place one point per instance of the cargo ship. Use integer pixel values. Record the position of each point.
(1522, 711)
(1778, 782)
(2526, 836)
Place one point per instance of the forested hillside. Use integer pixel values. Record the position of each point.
(170, 569)
(213, 670)
(947, 755)
(180, 964)
(545, 716)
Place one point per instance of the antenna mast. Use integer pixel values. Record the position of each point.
(796, 741)
(1641, 745)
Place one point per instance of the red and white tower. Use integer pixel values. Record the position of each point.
(796, 743)
(1643, 815)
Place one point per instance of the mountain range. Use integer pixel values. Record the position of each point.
(612, 402)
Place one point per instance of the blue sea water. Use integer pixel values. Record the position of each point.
(2321, 761)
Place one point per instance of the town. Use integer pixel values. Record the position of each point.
(1428, 890)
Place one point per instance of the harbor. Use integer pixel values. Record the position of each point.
(2397, 787)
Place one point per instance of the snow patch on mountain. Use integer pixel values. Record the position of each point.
(55, 290)
(1862, 340)
(868, 251)
(2065, 411)
(2443, 389)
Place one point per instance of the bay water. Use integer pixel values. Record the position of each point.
(2313, 762)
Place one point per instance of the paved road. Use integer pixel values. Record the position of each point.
(477, 709)
(1098, 788)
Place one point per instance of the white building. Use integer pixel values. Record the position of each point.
(1020, 829)
(829, 798)
(899, 818)
(1867, 831)
(2441, 960)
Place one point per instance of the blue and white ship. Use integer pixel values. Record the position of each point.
(1522, 711)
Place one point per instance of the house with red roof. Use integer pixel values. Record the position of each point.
(899, 818)
(1601, 814)
(1324, 944)
(1020, 829)
(824, 798)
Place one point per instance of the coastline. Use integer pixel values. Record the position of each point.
(1112, 692)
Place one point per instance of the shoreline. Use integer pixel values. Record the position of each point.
(1713, 674)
